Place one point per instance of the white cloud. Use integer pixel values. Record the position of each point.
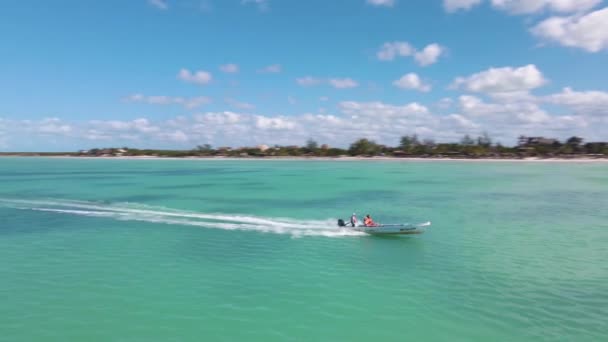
(461, 121)
(276, 123)
(53, 126)
(271, 69)
(445, 103)
(588, 32)
(582, 102)
(338, 83)
(239, 105)
(389, 51)
(455, 5)
(525, 6)
(219, 118)
(343, 83)
(177, 136)
(535, 6)
(379, 121)
(292, 100)
(229, 68)
(141, 125)
(429, 55)
(516, 113)
(380, 110)
(502, 80)
(308, 81)
(160, 4)
(385, 3)
(199, 77)
(189, 103)
(412, 81)
(323, 98)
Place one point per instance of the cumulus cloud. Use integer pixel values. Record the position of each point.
(343, 83)
(219, 118)
(176, 136)
(271, 69)
(276, 123)
(239, 105)
(581, 113)
(588, 32)
(308, 81)
(385, 3)
(445, 103)
(53, 126)
(513, 113)
(427, 56)
(160, 4)
(525, 6)
(198, 77)
(412, 81)
(502, 80)
(535, 6)
(391, 50)
(456, 5)
(187, 102)
(141, 125)
(229, 68)
(338, 83)
(582, 102)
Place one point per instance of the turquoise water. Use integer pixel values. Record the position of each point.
(190, 250)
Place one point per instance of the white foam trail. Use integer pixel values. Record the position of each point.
(140, 212)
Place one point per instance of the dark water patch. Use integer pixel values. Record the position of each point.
(34, 194)
(117, 184)
(426, 181)
(375, 195)
(289, 175)
(131, 172)
(24, 221)
(142, 198)
(354, 178)
(373, 199)
(65, 173)
(234, 249)
(60, 177)
(253, 186)
(183, 186)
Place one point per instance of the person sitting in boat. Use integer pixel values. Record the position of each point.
(353, 220)
(368, 222)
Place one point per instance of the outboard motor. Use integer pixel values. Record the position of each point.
(341, 223)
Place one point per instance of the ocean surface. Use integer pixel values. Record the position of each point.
(193, 250)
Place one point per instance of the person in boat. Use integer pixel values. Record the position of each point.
(353, 220)
(368, 222)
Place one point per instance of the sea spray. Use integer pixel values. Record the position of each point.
(163, 215)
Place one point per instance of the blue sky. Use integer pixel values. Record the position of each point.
(177, 73)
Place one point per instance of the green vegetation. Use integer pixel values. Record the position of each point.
(409, 146)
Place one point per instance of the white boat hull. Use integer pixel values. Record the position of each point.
(394, 229)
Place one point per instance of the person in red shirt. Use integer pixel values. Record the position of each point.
(368, 222)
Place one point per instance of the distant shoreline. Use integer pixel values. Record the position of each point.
(395, 159)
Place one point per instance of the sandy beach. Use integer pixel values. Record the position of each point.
(341, 159)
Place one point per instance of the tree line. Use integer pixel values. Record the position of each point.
(409, 146)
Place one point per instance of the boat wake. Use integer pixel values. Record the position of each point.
(162, 215)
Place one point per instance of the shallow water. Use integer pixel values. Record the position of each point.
(141, 250)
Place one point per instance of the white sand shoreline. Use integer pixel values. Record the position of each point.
(340, 159)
